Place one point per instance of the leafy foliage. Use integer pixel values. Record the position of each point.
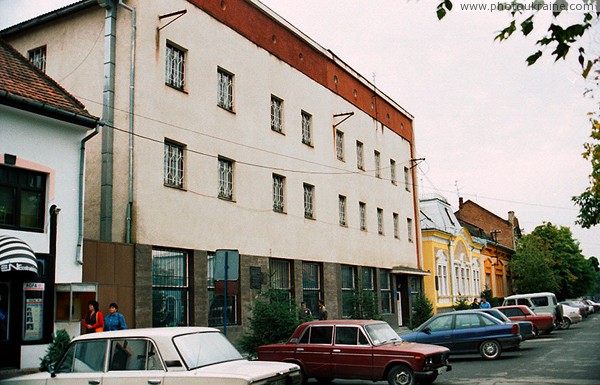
(55, 350)
(489, 296)
(531, 267)
(274, 319)
(462, 303)
(589, 200)
(364, 305)
(422, 311)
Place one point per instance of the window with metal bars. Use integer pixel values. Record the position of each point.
(339, 144)
(385, 291)
(175, 67)
(309, 193)
(407, 179)
(173, 164)
(311, 285)
(37, 56)
(225, 178)
(169, 287)
(377, 164)
(360, 157)
(306, 128)
(278, 193)
(281, 277)
(396, 226)
(393, 171)
(342, 209)
(409, 224)
(349, 283)
(380, 221)
(224, 89)
(276, 114)
(362, 212)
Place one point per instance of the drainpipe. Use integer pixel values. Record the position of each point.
(108, 115)
(79, 252)
(131, 117)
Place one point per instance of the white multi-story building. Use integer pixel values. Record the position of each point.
(231, 129)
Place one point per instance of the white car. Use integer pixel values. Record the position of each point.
(570, 315)
(165, 356)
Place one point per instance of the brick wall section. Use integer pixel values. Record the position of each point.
(476, 215)
(143, 286)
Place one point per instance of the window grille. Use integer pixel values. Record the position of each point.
(385, 291)
(22, 199)
(339, 144)
(407, 178)
(175, 67)
(380, 221)
(306, 128)
(409, 224)
(309, 192)
(377, 164)
(225, 178)
(311, 285)
(278, 191)
(362, 210)
(225, 90)
(281, 276)
(169, 287)
(173, 164)
(342, 208)
(360, 158)
(276, 114)
(38, 57)
(393, 171)
(396, 227)
(348, 287)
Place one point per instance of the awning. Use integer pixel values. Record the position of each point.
(409, 271)
(16, 257)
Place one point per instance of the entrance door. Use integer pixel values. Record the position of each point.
(9, 331)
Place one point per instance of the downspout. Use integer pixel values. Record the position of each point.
(131, 117)
(108, 116)
(79, 252)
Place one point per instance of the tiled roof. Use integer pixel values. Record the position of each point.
(20, 79)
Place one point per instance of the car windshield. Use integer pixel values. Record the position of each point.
(202, 349)
(382, 333)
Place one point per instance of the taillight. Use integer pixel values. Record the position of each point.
(515, 329)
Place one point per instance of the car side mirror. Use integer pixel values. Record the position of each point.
(426, 330)
(52, 370)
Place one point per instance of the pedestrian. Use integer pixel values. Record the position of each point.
(114, 320)
(93, 321)
(304, 314)
(322, 310)
(484, 304)
(475, 304)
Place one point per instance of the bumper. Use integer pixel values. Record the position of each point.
(434, 372)
(510, 343)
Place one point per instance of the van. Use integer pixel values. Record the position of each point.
(538, 302)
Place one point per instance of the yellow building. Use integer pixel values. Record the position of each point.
(452, 256)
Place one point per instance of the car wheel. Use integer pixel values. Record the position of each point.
(490, 349)
(565, 323)
(324, 380)
(401, 375)
(428, 380)
(535, 331)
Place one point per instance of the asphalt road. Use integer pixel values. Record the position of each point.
(564, 357)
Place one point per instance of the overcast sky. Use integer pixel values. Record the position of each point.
(491, 129)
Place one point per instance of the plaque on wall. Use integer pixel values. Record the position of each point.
(255, 278)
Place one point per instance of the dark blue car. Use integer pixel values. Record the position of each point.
(468, 331)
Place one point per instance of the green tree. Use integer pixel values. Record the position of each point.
(531, 267)
(589, 200)
(364, 305)
(58, 346)
(274, 319)
(462, 303)
(422, 311)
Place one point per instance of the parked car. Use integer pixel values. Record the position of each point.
(595, 305)
(525, 327)
(358, 349)
(178, 355)
(543, 302)
(583, 308)
(543, 323)
(568, 315)
(468, 331)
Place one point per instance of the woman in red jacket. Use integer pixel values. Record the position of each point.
(93, 321)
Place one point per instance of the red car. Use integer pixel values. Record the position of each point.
(542, 323)
(358, 349)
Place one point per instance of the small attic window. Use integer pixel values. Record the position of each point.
(450, 217)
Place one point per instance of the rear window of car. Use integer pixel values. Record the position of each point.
(512, 312)
(540, 301)
(523, 301)
(510, 302)
(317, 335)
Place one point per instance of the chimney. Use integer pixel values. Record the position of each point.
(511, 218)
(460, 202)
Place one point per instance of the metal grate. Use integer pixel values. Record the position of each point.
(276, 114)
(309, 191)
(306, 128)
(175, 67)
(225, 179)
(278, 191)
(173, 159)
(339, 144)
(225, 90)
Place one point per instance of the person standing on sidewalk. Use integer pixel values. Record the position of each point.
(114, 320)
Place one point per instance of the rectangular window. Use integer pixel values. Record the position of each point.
(276, 114)
(169, 287)
(38, 57)
(309, 196)
(409, 224)
(348, 287)
(278, 193)
(385, 291)
(216, 297)
(396, 226)
(225, 178)
(339, 144)
(360, 156)
(281, 277)
(173, 164)
(224, 89)
(377, 164)
(407, 178)
(380, 221)
(175, 58)
(342, 208)
(22, 199)
(368, 278)
(393, 171)
(306, 128)
(311, 285)
(362, 211)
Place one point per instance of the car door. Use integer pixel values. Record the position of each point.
(133, 361)
(469, 332)
(84, 363)
(352, 354)
(314, 351)
(437, 331)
